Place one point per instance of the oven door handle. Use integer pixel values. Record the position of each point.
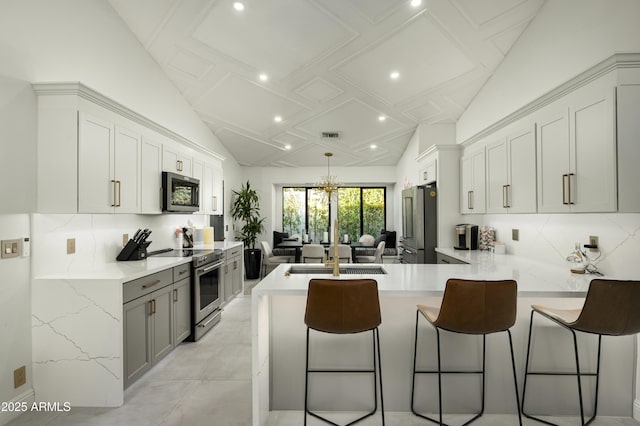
(209, 268)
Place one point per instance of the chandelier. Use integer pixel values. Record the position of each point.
(328, 184)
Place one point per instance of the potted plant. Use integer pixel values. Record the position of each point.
(246, 207)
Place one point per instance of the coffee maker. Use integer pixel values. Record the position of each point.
(466, 237)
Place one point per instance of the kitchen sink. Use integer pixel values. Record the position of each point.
(344, 270)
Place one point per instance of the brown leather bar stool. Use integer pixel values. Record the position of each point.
(469, 307)
(344, 307)
(611, 308)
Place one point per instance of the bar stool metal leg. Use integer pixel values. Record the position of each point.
(577, 373)
(377, 376)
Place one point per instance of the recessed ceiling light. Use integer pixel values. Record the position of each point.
(416, 3)
(287, 147)
(394, 75)
(239, 6)
(373, 146)
(277, 119)
(263, 77)
(382, 118)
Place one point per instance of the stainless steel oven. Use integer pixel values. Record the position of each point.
(207, 292)
(206, 287)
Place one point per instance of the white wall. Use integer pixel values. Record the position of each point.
(18, 198)
(268, 181)
(566, 38)
(15, 315)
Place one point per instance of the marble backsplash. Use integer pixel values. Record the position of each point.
(98, 237)
(551, 237)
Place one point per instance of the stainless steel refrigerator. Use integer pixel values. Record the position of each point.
(419, 224)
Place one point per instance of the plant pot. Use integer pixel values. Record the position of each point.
(252, 260)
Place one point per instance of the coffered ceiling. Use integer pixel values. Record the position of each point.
(328, 65)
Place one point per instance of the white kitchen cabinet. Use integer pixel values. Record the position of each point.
(577, 152)
(511, 171)
(428, 172)
(150, 177)
(212, 189)
(472, 168)
(176, 161)
(628, 130)
(107, 167)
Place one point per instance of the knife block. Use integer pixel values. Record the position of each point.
(134, 251)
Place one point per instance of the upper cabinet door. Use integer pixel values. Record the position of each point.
(198, 172)
(553, 159)
(150, 177)
(126, 167)
(176, 161)
(593, 150)
(472, 197)
(97, 186)
(497, 176)
(520, 194)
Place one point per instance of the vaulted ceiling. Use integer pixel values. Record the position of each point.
(328, 66)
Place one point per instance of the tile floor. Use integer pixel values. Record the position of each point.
(209, 383)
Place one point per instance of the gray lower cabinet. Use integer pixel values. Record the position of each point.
(156, 317)
(148, 332)
(232, 273)
(182, 309)
(444, 259)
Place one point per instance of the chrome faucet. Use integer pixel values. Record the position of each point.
(336, 260)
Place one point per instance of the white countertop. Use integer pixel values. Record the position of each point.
(534, 278)
(129, 270)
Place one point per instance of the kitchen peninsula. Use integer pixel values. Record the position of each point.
(278, 334)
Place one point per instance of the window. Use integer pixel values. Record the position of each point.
(305, 212)
(360, 211)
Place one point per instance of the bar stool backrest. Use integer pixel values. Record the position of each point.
(611, 308)
(478, 307)
(342, 306)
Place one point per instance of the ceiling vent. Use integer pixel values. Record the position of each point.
(331, 135)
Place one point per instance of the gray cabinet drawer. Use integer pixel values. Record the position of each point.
(443, 258)
(181, 272)
(145, 285)
(236, 251)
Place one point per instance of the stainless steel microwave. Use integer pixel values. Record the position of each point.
(180, 194)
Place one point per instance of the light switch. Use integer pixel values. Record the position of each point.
(10, 248)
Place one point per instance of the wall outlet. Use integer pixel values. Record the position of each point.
(593, 241)
(19, 376)
(125, 239)
(515, 234)
(26, 247)
(71, 245)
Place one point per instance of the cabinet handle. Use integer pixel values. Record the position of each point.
(444, 261)
(151, 284)
(425, 175)
(214, 201)
(119, 192)
(114, 193)
(506, 196)
(235, 265)
(182, 272)
(153, 306)
(175, 294)
(470, 200)
(569, 179)
(564, 186)
(226, 269)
